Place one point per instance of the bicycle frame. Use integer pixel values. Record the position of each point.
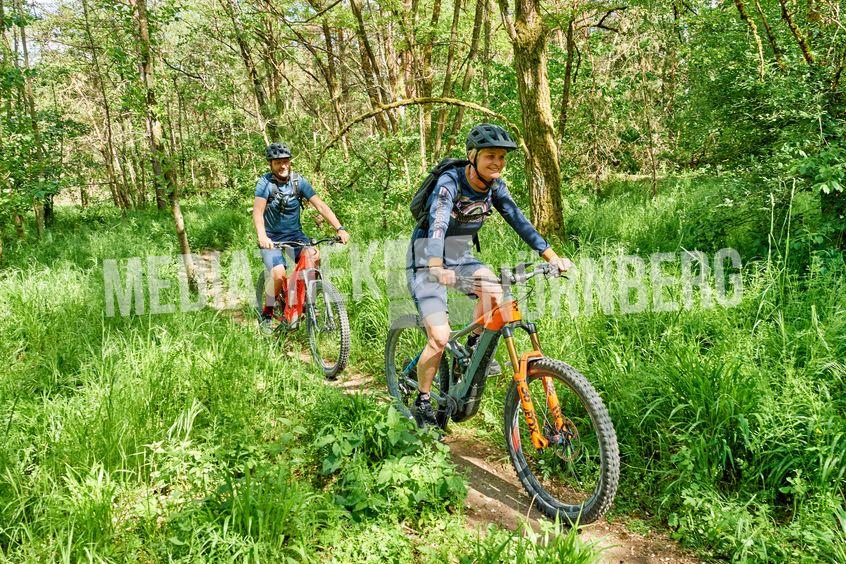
(294, 287)
(296, 283)
(497, 323)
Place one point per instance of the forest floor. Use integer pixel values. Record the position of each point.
(496, 497)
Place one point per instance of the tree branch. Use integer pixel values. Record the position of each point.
(321, 12)
(507, 21)
(601, 23)
(420, 102)
(609, 12)
(182, 71)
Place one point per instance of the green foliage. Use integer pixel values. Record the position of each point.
(551, 545)
(383, 465)
(184, 437)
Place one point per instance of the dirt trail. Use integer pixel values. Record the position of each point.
(496, 497)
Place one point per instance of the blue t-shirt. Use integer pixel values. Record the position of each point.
(282, 214)
(457, 212)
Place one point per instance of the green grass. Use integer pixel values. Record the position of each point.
(184, 436)
(730, 419)
(187, 437)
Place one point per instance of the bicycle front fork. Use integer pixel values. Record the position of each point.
(521, 368)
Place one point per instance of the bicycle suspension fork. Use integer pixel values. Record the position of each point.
(521, 367)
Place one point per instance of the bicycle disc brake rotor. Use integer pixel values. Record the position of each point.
(566, 443)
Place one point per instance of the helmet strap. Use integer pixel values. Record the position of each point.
(485, 181)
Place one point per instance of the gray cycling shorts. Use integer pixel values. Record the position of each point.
(430, 297)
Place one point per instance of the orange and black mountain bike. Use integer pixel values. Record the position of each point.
(557, 430)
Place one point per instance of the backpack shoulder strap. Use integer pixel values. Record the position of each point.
(436, 173)
(295, 182)
(274, 189)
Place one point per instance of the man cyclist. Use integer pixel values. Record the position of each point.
(278, 200)
(440, 249)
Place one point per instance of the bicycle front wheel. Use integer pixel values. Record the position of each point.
(576, 476)
(328, 328)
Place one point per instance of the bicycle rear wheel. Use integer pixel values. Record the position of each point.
(328, 328)
(575, 478)
(260, 292)
(406, 340)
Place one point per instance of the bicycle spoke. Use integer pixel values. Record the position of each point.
(568, 469)
(405, 344)
(328, 328)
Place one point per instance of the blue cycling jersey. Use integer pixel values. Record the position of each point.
(282, 213)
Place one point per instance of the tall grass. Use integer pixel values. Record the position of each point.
(187, 436)
(731, 420)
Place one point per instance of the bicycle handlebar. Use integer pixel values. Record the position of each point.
(309, 243)
(508, 276)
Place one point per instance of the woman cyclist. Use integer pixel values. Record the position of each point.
(440, 249)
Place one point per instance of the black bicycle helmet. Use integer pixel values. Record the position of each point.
(487, 136)
(278, 151)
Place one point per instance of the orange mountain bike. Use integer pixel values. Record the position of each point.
(305, 294)
(557, 430)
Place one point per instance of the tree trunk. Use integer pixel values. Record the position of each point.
(83, 192)
(332, 82)
(568, 79)
(369, 67)
(110, 175)
(6, 55)
(38, 208)
(182, 236)
(426, 72)
(481, 7)
(343, 75)
(797, 33)
(407, 57)
(28, 100)
(112, 158)
(446, 91)
(153, 126)
(180, 113)
(770, 35)
(744, 15)
(19, 226)
(164, 174)
(136, 171)
(421, 127)
(486, 55)
(528, 39)
(168, 128)
(645, 104)
(266, 116)
(139, 162)
(395, 83)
